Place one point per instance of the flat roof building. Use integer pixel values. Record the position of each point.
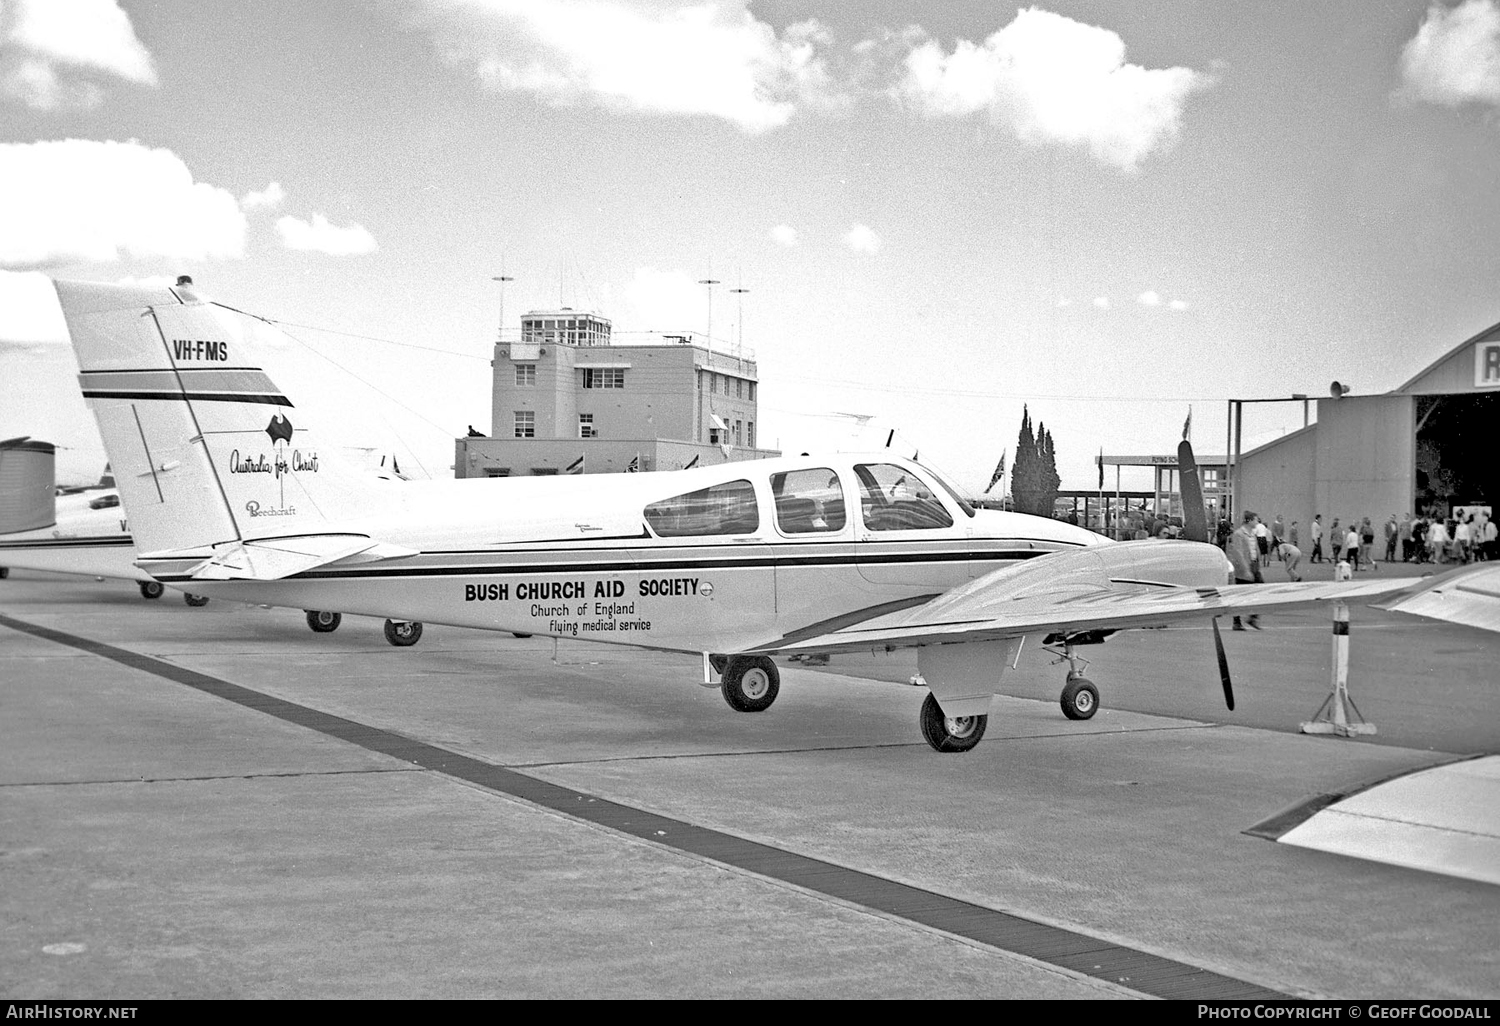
(569, 398)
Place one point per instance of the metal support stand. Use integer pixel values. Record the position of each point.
(1338, 714)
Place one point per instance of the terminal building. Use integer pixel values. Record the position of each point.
(1427, 447)
(568, 398)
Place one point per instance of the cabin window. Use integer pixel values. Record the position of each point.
(728, 508)
(893, 499)
(525, 423)
(808, 501)
(526, 374)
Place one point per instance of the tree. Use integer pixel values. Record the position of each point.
(1034, 481)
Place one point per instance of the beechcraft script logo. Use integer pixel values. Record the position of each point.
(282, 462)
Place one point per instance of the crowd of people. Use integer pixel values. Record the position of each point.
(1466, 537)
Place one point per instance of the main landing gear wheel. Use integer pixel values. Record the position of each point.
(194, 600)
(403, 633)
(152, 589)
(950, 733)
(324, 622)
(750, 683)
(4, 572)
(1080, 699)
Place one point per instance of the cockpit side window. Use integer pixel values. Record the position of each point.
(728, 508)
(808, 501)
(893, 499)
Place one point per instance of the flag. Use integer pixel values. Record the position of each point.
(1187, 425)
(692, 463)
(997, 475)
(1101, 468)
(635, 464)
(576, 467)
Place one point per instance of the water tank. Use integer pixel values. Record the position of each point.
(28, 485)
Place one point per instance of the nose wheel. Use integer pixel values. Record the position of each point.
(1079, 698)
(403, 633)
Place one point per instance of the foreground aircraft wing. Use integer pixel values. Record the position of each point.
(1470, 597)
(989, 611)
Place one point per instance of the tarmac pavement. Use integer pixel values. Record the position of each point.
(251, 810)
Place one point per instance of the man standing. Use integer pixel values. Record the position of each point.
(1405, 537)
(1392, 532)
(1317, 537)
(1244, 555)
(1335, 539)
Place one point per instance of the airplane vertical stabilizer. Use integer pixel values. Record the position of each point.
(205, 446)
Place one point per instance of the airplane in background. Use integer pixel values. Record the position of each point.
(231, 493)
(80, 531)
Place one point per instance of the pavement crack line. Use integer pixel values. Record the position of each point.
(196, 778)
(1071, 950)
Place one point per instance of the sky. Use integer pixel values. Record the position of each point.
(1109, 213)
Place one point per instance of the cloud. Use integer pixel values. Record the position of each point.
(1178, 304)
(270, 197)
(666, 301)
(862, 240)
(785, 234)
(1102, 302)
(1149, 298)
(29, 314)
(713, 59)
(45, 45)
(77, 199)
(1055, 80)
(1455, 56)
(323, 237)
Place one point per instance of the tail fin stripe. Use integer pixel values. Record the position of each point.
(218, 397)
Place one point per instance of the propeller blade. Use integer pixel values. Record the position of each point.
(1194, 516)
(1223, 666)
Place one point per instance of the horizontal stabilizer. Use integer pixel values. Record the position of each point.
(271, 559)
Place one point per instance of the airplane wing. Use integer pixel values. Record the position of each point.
(271, 559)
(1470, 596)
(985, 610)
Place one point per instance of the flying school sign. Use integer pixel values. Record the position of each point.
(1487, 364)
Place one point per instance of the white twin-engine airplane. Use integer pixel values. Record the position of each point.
(231, 494)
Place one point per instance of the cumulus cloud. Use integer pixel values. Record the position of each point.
(29, 314)
(1101, 302)
(1177, 304)
(1149, 298)
(77, 199)
(1055, 80)
(48, 48)
(1455, 56)
(784, 234)
(862, 239)
(666, 301)
(270, 197)
(321, 236)
(712, 59)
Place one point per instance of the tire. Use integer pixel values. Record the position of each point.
(950, 734)
(194, 600)
(751, 683)
(323, 622)
(1080, 699)
(152, 589)
(4, 572)
(403, 633)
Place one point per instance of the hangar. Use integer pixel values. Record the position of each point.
(1427, 447)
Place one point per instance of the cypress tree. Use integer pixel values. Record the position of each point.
(1024, 475)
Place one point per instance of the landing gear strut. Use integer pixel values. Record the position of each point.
(1079, 699)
